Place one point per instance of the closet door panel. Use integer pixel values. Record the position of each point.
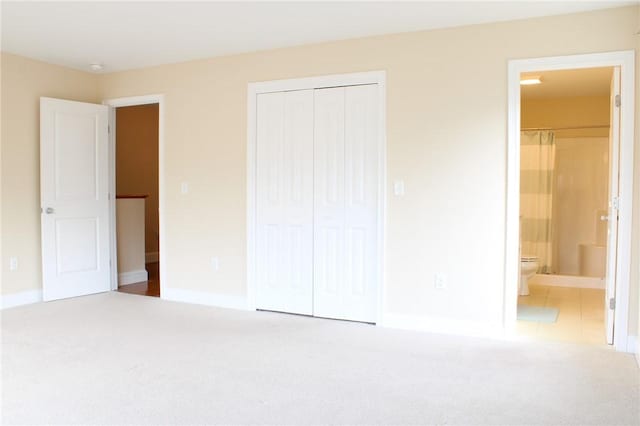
(329, 202)
(285, 202)
(345, 194)
(359, 294)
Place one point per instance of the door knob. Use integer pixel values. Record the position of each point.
(49, 210)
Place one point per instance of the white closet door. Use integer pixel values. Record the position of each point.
(285, 201)
(345, 200)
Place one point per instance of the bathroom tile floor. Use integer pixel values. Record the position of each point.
(580, 318)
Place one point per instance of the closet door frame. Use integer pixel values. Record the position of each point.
(320, 82)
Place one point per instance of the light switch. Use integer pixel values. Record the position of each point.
(184, 187)
(398, 188)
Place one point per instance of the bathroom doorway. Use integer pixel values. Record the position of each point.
(619, 240)
(565, 166)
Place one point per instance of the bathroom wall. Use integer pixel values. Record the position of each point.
(571, 111)
(580, 198)
(581, 172)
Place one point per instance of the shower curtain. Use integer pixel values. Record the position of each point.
(537, 158)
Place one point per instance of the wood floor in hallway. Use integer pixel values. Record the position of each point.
(145, 288)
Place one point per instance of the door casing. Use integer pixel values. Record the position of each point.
(626, 61)
(352, 79)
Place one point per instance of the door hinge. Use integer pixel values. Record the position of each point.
(615, 203)
(612, 303)
(617, 101)
(109, 128)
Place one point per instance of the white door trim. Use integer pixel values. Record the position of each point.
(352, 79)
(626, 61)
(131, 101)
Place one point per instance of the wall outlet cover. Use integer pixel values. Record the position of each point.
(440, 281)
(215, 264)
(398, 188)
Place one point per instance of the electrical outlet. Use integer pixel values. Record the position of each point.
(398, 188)
(440, 281)
(13, 263)
(215, 264)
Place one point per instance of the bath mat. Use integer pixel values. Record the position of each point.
(537, 313)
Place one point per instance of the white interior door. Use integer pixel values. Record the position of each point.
(345, 203)
(613, 217)
(285, 202)
(74, 198)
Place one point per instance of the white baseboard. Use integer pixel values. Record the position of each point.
(567, 281)
(442, 326)
(204, 298)
(22, 298)
(152, 257)
(132, 277)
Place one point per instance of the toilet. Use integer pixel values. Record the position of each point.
(528, 268)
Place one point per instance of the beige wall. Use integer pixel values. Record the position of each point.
(634, 311)
(446, 100)
(24, 81)
(446, 134)
(1, 189)
(137, 162)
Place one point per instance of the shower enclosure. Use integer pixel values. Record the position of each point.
(563, 205)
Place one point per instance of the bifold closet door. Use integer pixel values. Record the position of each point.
(285, 202)
(345, 203)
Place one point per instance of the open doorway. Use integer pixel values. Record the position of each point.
(617, 211)
(566, 169)
(137, 199)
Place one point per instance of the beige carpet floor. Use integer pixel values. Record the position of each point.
(117, 358)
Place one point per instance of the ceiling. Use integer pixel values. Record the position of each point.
(127, 35)
(569, 83)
